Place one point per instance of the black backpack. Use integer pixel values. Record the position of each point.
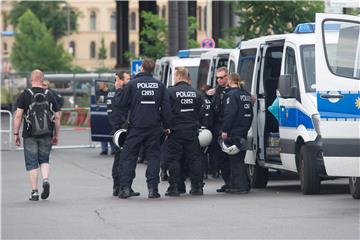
(40, 115)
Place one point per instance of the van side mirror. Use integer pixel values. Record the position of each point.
(286, 87)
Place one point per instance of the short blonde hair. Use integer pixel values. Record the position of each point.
(182, 72)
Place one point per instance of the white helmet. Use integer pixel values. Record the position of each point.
(119, 137)
(228, 149)
(205, 137)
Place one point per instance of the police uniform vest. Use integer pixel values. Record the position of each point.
(186, 104)
(238, 113)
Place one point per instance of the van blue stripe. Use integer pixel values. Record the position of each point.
(293, 118)
(346, 107)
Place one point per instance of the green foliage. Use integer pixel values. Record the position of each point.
(227, 42)
(102, 50)
(260, 18)
(35, 47)
(192, 27)
(78, 69)
(53, 14)
(154, 35)
(129, 56)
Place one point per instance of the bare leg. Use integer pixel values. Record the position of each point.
(33, 175)
(45, 168)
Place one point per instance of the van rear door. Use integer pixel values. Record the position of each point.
(100, 125)
(337, 51)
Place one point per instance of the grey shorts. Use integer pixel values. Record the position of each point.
(36, 151)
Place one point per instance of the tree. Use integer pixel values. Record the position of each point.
(102, 51)
(35, 47)
(51, 13)
(260, 18)
(192, 27)
(154, 35)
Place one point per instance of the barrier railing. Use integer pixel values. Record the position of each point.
(72, 120)
(9, 131)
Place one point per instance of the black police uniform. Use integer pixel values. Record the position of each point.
(218, 159)
(186, 105)
(117, 118)
(238, 115)
(148, 103)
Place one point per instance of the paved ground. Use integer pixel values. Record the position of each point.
(81, 206)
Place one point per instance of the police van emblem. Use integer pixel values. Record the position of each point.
(357, 103)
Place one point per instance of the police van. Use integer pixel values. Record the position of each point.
(209, 62)
(307, 112)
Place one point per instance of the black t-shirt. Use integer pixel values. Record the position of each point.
(24, 101)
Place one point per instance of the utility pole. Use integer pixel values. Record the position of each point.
(183, 24)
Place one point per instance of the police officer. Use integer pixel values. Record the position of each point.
(186, 104)
(118, 119)
(218, 157)
(238, 115)
(148, 104)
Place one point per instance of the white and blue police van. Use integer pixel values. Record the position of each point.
(307, 110)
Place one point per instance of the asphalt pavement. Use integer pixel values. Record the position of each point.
(81, 206)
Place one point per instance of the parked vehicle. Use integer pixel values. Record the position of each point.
(306, 118)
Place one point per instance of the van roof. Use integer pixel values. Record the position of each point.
(185, 62)
(216, 52)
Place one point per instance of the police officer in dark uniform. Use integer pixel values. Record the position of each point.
(186, 104)
(118, 120)
(148, 104)
(238, 115)
(218, 157)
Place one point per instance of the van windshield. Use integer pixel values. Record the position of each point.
(308, 63)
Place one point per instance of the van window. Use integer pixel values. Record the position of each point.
(231, 66)
(343, 59)
(246, 66)
(290, 67)
(223, 61)
(203, 73)
(193, 74)
(308, 65)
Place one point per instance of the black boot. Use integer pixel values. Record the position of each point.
(197, 189)
(116, 191)
(153, 193)
(172, 191)
(182, 188)
(125, 192)
(223, 188)
(134, 194)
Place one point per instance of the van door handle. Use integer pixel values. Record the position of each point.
(327, 96)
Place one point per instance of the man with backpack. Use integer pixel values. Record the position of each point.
(41, 114)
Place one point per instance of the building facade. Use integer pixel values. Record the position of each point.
(97, 23)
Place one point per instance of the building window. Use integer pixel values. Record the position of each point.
(93, 21)
(113, 21)
(112, 50)
(4, 47)
(132, 21)
(200, 18)
(205, 18)
(72, 48)
(163, 12)
(92, 50)
(132, 48)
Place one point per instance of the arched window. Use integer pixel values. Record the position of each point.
(112, 50)
(205, 18)
(113, 21)
(200, 18)
(163, 12)
(93, 21)
(133, 21)
(92, 50)
(132, 48)
(72, 48)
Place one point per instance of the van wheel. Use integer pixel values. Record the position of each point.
(258, 176)
(354, 183)
(308, 173)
